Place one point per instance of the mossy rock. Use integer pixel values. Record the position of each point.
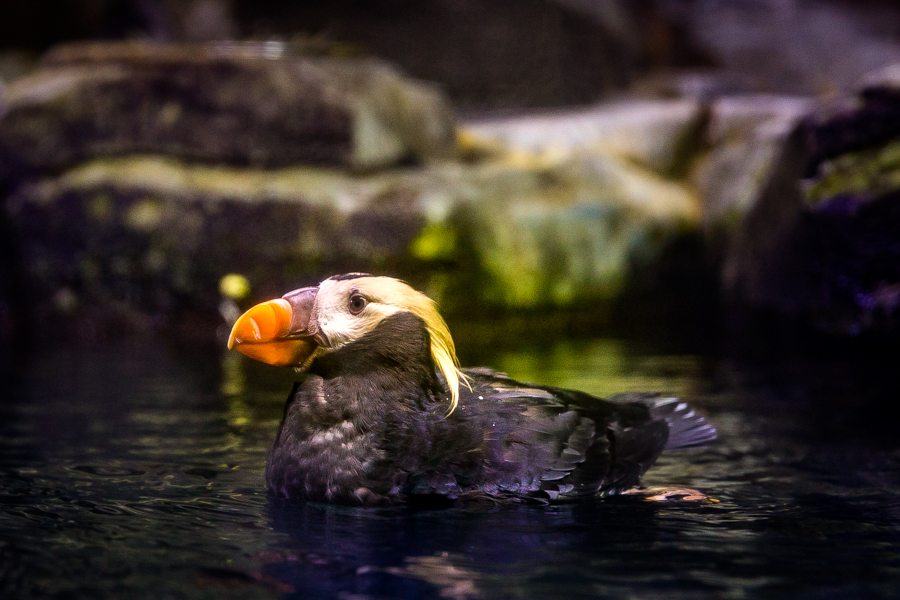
(149, 239)
(822, 245)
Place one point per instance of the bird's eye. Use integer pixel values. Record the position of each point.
(356, 304)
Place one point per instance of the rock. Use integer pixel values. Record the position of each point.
(792, 47)
(745, 136)
(561, 211)
(242, 104)
(139, 241)
(703, 84)
(822, 244)
(658, 135)
(15, 64)
(487, 54)
(205, 20)
(760, 267)
(566, 235)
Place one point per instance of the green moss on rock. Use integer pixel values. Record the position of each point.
(871, 172)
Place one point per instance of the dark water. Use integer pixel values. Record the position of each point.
(135, 470)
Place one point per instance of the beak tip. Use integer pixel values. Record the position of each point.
(233, 339)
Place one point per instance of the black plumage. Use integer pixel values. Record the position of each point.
(368, 424)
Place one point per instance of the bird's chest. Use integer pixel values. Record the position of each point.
(324, 452)
(337, 454)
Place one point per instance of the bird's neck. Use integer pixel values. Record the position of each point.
(388, 368)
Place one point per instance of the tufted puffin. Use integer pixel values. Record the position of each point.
(384, 415)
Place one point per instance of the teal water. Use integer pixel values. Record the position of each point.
(135, 470)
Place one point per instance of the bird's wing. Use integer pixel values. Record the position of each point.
(686, 427)
(647, 424)
(567, 451)
(593, 445)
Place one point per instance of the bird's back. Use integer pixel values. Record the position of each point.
(539, 442)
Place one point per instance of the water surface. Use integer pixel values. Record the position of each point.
(135, 470)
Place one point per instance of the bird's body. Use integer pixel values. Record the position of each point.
(369, 423)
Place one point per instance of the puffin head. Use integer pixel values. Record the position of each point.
(305, 323)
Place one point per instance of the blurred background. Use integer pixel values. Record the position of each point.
(600, 160)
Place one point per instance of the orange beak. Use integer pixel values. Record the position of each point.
(277, 332)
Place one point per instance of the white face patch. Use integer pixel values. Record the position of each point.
(332, 310)
(384, 297)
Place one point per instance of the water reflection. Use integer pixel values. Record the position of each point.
(136, 470)
(455, 553)
(602, 367)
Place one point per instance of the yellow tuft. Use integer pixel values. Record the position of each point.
(443, 351)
